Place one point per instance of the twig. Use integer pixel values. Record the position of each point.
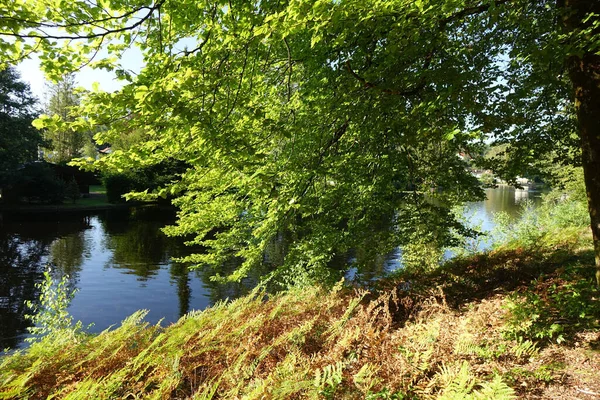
(585, 391)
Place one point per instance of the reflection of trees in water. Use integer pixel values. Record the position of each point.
(368, 260)
(20, 269)
(139, 247)
(501, 199)
(24, 249)
(67, 253)
(218, 291)
(508, 199)
(180, 275)
(369, 264)
(137, 244)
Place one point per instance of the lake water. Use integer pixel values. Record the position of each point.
(120, 262)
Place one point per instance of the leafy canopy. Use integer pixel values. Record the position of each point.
(337, 122)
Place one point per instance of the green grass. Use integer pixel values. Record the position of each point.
(97, 189)
(96, 199)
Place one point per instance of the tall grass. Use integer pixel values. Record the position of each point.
(561, 216)
(550, 224)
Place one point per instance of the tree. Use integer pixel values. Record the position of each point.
(64, 142)
(583, 63)
(19, 141)
(337, 122)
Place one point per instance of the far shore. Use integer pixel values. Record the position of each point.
(96, 200)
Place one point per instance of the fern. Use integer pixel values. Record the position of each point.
(208, 390)
(456, 381)
(419, 360)
(496, 389)
(467, 346)
(328, 379)
(366, 378)
(525, 348)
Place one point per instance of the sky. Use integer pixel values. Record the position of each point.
(32, 74)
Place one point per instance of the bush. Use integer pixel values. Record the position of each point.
(550, 223)
(117, 185)
(35, 182)
(488, 179)
(555, 307)
(72, 191)
(50, 316)
(147, 179)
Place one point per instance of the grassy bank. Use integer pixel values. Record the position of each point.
(96, 200)
(515, 322)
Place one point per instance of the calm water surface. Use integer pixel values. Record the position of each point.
(120, 262)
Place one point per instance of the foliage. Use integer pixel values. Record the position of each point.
(460, 383)
(420, 255)
(562, 212)
(120, 184)
(436, 339)
(50, 317)
(117, 185)
(552, 308)
(529, 318)
(305, 343)
(19, 141)
(476, 239)
(64, 143)
(488, 179)
(72, 191)
(316, 118)
(525, 231)
(329, 378)
(35, 182)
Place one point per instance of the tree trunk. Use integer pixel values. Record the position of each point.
(584, 71)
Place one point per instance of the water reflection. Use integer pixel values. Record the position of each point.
(138, 248)
(478, 215)
(25, 248)
(506, 199)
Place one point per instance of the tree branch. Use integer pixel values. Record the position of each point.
(90, 35)
(403, 92)
(411, 91)
(465, 12)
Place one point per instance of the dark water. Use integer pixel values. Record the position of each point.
(120, 262)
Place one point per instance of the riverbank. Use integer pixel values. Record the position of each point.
(95, 201)
(515, 322)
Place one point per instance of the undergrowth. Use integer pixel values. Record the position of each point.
(518, 321)
(301, 344)
(451, 335)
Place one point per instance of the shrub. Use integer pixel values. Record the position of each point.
(50, 316)
(546, 225)
(117, 185)
(554, 307)
(488, 179)
(72, 191)
(148, 179)
(36, 182)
